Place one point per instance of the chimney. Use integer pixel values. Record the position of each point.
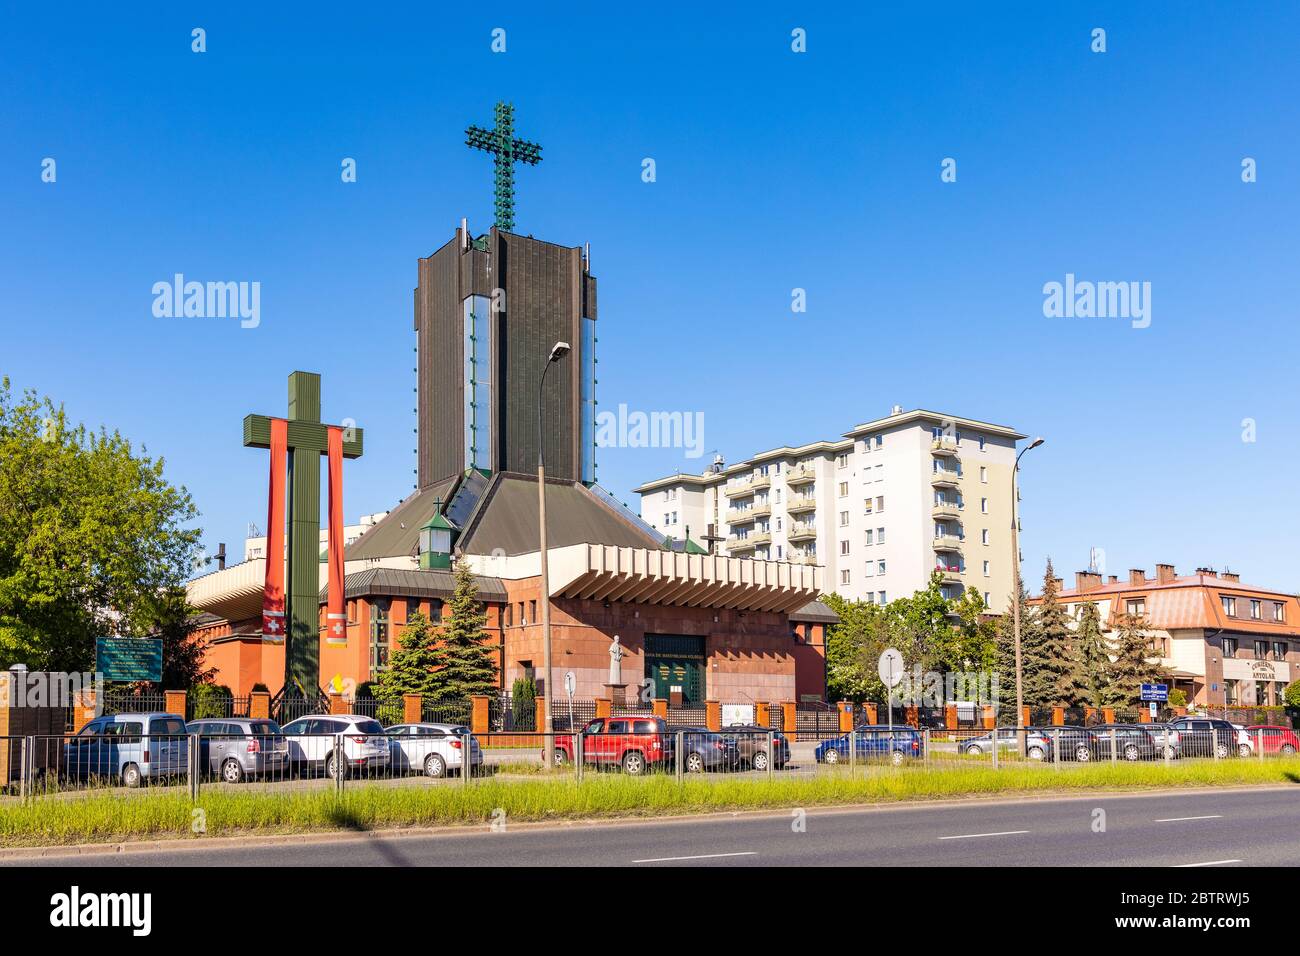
(1086, 581)
(1165, 573)
(1114, 579)
(1137, 576)
(1059, 582)
(1208, 572)
(1231, 576)
(221, 556)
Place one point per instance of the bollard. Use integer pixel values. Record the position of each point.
(1259, 743)
(339, 766)
(679, 755)
(25, 769)
(1214, 742)
(1056, 750)
(1114, 746)
(192, 765)
(853, 751)
(1167, 747)
(579, 754)
(771, 755)
(466, 763)
(925, 744)
(996, 741)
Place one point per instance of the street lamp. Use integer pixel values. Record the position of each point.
(1015, 596)
(558, 352)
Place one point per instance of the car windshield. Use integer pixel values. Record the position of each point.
(263, 729)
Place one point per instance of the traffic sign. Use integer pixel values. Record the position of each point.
(1155, 692)
(890, 667)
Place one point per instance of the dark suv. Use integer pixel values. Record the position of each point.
(1132, 742)
(1208, 737)
(751, 746)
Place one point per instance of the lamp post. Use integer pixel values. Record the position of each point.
(1015, 596)
(558, 351)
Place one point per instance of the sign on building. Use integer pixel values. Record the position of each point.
(129, 658)
(1158, 693)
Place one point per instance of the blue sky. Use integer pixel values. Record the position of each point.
(775, 170)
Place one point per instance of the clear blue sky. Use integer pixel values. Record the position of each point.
(775, 170)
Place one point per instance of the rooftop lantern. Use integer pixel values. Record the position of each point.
(435, 541)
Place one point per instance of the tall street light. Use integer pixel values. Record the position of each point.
(558, 352)
(1015, 595)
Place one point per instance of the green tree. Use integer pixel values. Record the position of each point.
(1093, 655)
(1135, 663)
(465, 661)
(1057, 665)
(1006, 652)
(411, 668)
(523, 703)
(91, 534)
(849, 644)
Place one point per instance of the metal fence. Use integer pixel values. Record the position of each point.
(163, 752)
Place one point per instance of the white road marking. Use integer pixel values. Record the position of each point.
(702, 856)
(1208, 816)
(1183, 866)
(971, 836)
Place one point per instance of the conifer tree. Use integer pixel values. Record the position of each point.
(411, 667)
(1006, 652)
(1136, 662)
(1058, 681)
(1093, 656)
(464, 659)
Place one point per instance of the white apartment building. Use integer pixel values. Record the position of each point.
(255, 544)
(880, 508)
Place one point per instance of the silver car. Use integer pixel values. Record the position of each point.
(433, 749)
(236, 748)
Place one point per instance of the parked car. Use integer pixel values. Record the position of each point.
(1037, 745)
(131, 748)
(311, 743)
(1134, 742)
(873, 740)
(1074, 743)
(432, 749)
(637, 744)
(240, 747)
(751, 746)
(704, 749)
(1210, 737)
(1275, 739)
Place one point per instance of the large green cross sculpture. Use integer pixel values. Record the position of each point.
(307, 440)
(506, 150)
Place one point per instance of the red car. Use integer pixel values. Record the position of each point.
(636, 744)
(1277, 740)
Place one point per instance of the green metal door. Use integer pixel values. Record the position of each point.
(665, 673)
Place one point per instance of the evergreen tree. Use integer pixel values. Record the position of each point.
(1135, 663)
(1056, 664)
(1006, 652)
(465, 663)
(1093, 655)
(411, 667)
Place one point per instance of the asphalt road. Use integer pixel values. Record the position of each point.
(1223, 827)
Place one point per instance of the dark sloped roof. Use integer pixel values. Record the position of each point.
(400, 582)
(814, 612)
(505, 521)
(398, 533)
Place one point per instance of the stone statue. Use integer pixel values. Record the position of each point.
(615, 662)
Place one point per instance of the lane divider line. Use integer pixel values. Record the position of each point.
(1184, 866)
(702, 856)
(1208, 816)
(972, 836)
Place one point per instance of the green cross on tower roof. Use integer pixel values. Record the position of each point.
(506, 150)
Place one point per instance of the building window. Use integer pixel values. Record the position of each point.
(1229, 647)
(1279, 613)
(984, 506)
(1261, 650)
(1230, 692)
(868, 537)
(866, 507)
(880, 502)
(1137, 607)
(509, 615)
(1229, 605)
(844, 576)
(984, 474)
(981, 442)
(880, 566)
(880, 536)
(378, 635)
(532, 610)
(478, 382)
(1256, 607)
(844, 489)
(1279, 650)
(986, 598)
(844, 519)
(986, 569)
(882, 598)
(870, 570)
(844, 547)
(984, 536)
(842, 461)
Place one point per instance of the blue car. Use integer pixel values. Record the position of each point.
(131, 748)
(874, 741)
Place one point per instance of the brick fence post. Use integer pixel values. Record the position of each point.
(412, 708)
(1024, 716)
(990, 717)
(1108, 715)
(479, 716)
(871, 713)
(713, 714)
(660, 705)
(603, 707)
(259, 705)
(762, 714)
(845, 708)
(175, 701)
(1058, 716)
(83, 711)
(950, 716)
(789, 717)
(338, 704)
(913, 716)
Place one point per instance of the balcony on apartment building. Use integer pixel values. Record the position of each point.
(747, 486)
(736, 544)
(944, 447)
(801, 531)
(802, 557)
(801, 503)
(945, 478)
(951, 573)
(943, 508)
(745, 515)
(801, 474)
(948, 542)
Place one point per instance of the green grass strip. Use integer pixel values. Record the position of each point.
(108, 817)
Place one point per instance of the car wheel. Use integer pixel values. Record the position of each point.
(694, 763)
(131, 775)
(760, 760)
(1082, 754)
(896, 758)
(232, 771)
(1131, 752)
(1036, 753)
(1244, 750)
(1287, 750)
(1221, 751)
(434, 766)
(974, 751)
(332, 770)
(831, 756)
(560, 758)
(634, 763)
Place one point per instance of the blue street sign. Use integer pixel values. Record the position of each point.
(1155, 692)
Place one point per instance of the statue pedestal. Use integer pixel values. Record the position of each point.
(617, 694)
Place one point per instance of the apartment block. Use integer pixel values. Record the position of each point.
(880, 508)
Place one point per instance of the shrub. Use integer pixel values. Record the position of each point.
(523, 704)
(1292, 694)
(210, 700)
